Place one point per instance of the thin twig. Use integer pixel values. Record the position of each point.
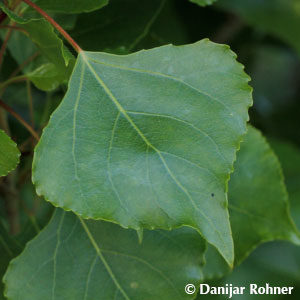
(6, 83)
(3, 121)
(4, 45)
(20, 119)
(30, 106)
(12, 203)
(56, 25)
(3, 15)
(13, 28)
(30, 102)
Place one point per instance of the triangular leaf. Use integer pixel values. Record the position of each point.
(148, 139)
(9, 154)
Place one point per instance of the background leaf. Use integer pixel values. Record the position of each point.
(50, 45)
(157, 131)
(280, 18)
(275, 263)
(119, 27)
(9, 154)
(70, 6)
(125, 27)
(289, 156)
(110, 263)
(203, 2)
(258, 205)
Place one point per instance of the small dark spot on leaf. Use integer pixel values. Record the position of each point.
(212, 194)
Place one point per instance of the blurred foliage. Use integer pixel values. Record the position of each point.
(280, 18)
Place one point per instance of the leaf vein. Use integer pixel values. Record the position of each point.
(159, 74)
(102, 258)
(184, 122)
(89, 276)
(55, 254)
(162, 275)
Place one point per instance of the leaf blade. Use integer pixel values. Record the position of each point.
(9, 154)
(261, 201)
(139, 140)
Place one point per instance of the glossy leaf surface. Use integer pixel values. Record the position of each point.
(163, 123)
(9, 154)
(106, 267)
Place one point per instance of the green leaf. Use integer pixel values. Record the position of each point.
(258, 201)
(81, 240)
(275, 263)
(257, 198)
(278, 17)
(121, 25)
(40, 71)
(162, 32)
(203, 2)
(289, 156)
(45, 77)
(76, 259)
(50, 45)
(215, 266)
(163, 123)
(19, 46)
(70, 6)
(133, 25)
(9, 154)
